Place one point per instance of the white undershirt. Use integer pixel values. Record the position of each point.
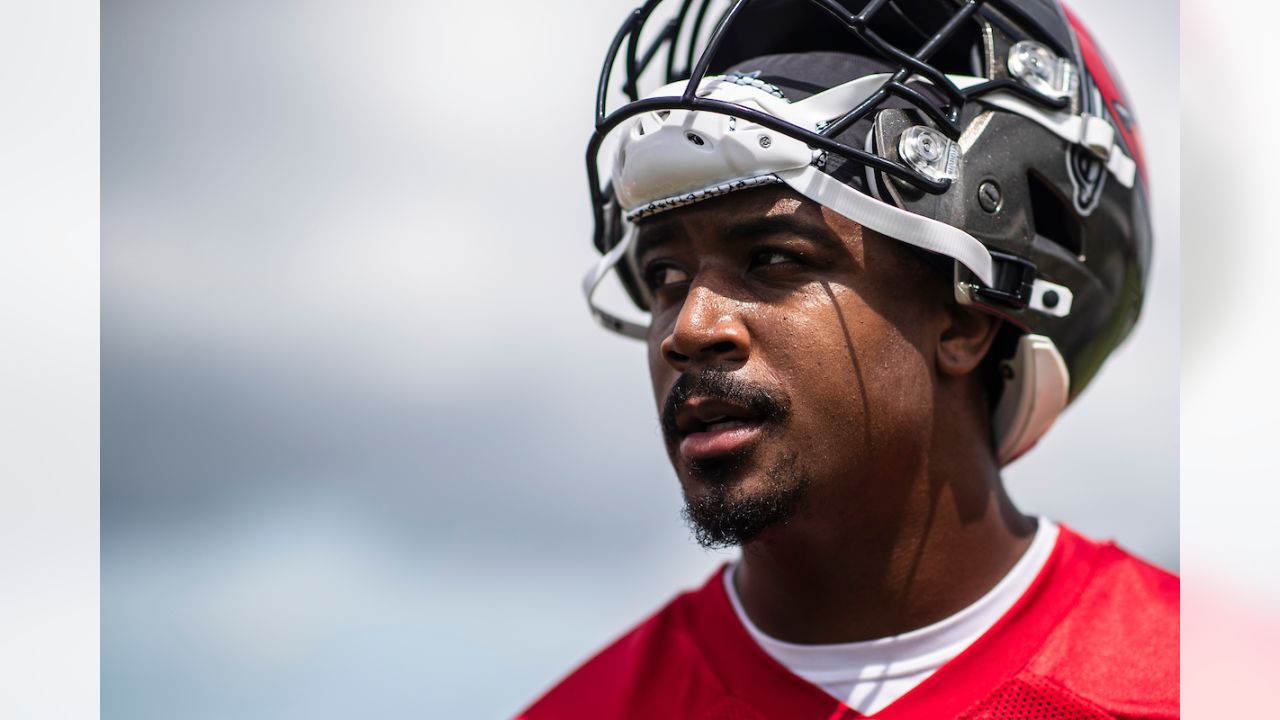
(869, 675)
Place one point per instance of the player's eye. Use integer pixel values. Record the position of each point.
(660, 275)
(766, 257)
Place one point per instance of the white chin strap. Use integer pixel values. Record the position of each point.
(1090, 132)
(891, 221)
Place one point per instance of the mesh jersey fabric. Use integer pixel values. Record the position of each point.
(1095, 636)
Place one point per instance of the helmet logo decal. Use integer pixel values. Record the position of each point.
(1088, 176)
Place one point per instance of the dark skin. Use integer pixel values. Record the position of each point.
(904, 520)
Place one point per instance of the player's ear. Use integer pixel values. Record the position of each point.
(966, 336)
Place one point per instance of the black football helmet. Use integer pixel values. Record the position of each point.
(992, 133)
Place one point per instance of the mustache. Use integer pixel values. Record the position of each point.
(721, 385)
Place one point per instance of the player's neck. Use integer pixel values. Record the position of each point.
(863, 567)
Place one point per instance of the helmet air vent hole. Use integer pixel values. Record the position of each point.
(696, 139)
(1053, 217)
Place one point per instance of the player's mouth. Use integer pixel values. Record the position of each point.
(708, 428)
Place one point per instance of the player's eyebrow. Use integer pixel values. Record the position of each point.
(652, 237)
(785, 225)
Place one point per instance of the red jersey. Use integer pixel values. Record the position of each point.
(1094, 637)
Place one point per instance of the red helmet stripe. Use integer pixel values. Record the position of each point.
(1112, 93)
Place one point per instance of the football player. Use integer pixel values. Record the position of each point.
(880, 245)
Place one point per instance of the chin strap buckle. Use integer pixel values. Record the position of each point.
(1013, 281)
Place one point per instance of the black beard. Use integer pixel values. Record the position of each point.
(719, 521)
(716, 519)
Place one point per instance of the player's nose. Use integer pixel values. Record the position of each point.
(709, 330)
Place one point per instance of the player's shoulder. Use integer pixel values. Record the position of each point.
(1118, 645)
(656, 669)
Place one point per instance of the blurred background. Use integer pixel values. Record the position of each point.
(364, 453)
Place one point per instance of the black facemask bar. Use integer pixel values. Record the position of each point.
(945, 117)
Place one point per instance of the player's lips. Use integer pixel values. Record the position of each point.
(710, 427)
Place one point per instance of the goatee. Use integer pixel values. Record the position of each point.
(719, 519)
